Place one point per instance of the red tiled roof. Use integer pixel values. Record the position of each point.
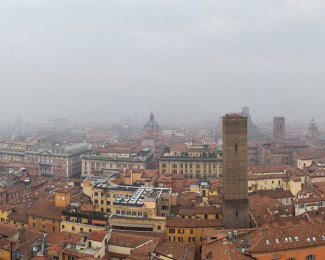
(15, 188)
(214, 199)
(88, 207)
(97, 235)
(46, 209)
(8, 230)
(164, 179)
(307, 235)
(177, 250)
(132, 239)
(149, 173)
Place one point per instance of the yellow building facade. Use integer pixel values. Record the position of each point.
(130, 207)
(190, 230)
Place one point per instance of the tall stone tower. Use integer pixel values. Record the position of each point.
(312, 129)
(278, 131)
(235, 186)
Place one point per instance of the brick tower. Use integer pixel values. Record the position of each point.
(235, 186)
(278, 131)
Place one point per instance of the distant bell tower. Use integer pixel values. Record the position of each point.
(312, 129)
(235, 186)
(278, 131)
(245, 110)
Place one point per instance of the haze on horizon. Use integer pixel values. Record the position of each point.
(192, 59)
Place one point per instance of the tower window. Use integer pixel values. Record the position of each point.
(236, 147)
(236, 214)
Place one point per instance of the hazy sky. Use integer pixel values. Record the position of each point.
(184, 58)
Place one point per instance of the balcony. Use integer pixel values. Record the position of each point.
(95, 215)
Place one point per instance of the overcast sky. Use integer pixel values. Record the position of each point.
(184, 58)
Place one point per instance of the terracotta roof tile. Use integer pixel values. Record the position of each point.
(177, 250)
(149, 173)
(8, 230)
(132, 239)
(46, 209)
(307, 235)
(97, 235)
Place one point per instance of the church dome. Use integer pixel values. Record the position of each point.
(151, 124)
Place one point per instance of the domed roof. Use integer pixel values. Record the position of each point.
(151, 124)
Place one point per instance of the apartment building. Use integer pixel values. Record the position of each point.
(141, 208)
(112, 158)
(194, 161)
(61, 160)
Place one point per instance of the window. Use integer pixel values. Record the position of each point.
(291, 258)
(53, 228)
(191, 239)
(171, 238)
(43, 226)
(310, 257)
(70, 257)
(159, 227)
(180, 231)
(180, 239)
(118, 212)
(33, 224)
(191, 231)
(172, 230)
(73, 228)
(81, 229)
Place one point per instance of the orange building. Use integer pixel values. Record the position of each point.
(299, 242)
(46, 214)
(188, 230)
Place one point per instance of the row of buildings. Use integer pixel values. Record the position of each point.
(200, 203)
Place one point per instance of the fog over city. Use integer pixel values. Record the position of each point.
(180, 59)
